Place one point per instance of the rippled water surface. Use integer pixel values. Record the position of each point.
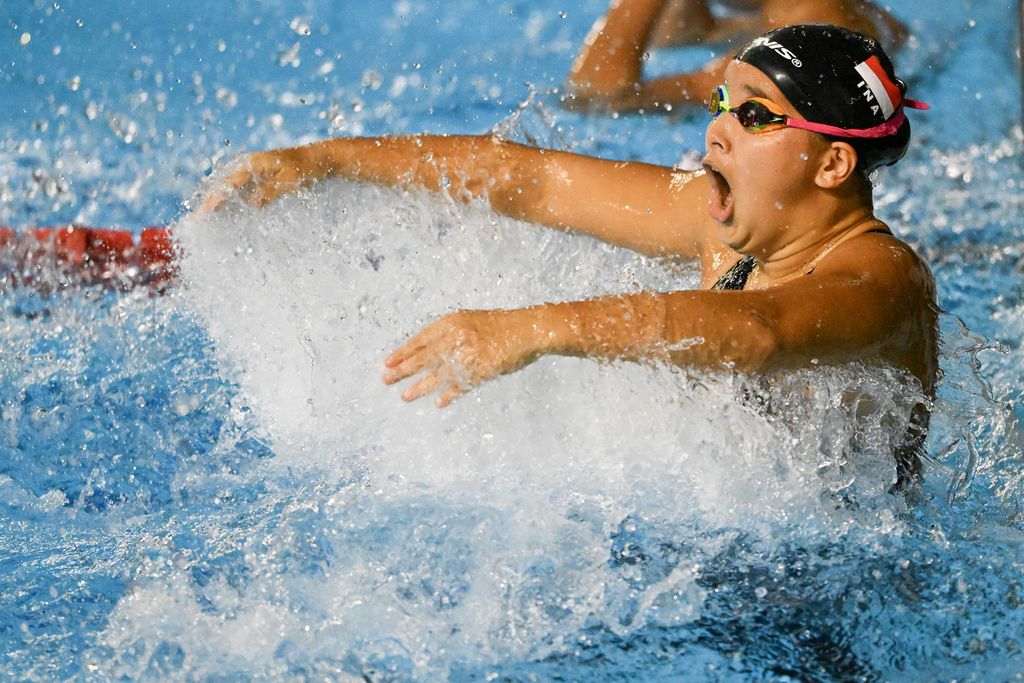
(211, 483)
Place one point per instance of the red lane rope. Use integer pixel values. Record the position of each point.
(80, 255)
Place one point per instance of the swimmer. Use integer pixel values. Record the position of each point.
(608, 74)
(796, 270)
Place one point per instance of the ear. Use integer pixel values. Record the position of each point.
(837, 164)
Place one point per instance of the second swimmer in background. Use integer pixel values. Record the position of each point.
(608, 73)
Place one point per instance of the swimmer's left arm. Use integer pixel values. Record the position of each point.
(463, 349)
(883, 313)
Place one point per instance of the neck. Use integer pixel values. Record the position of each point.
(815, 238)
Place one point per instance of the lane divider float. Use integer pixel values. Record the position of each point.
(76, 255)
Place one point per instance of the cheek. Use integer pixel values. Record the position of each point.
(777, 171)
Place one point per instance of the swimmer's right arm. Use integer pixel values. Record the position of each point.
(651, 209)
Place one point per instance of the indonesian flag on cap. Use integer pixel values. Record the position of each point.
(880, 88)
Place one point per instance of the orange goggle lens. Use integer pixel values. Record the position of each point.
(751, 114)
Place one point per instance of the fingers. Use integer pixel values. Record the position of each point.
(425, 386)
(452, 355)
(428, 385)
(260, 178)
(409, 364)
(409, 349)
(430, 353)
(448, 395)
(266, 193)
(212, 202)
(232, 183)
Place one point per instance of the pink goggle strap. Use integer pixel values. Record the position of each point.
(880, 131)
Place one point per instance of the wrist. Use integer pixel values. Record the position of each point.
(539, 330)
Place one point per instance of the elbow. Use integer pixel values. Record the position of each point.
(512, 178)
(580, 96)
(492, 165)
(755, 347)
(590, 97)
(747, 341)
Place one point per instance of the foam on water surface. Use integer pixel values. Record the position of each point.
(568, 500)
(213, 483)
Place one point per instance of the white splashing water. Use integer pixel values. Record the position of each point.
(482, 531)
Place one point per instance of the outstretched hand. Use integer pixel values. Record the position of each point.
(461, 350)
(260, 178)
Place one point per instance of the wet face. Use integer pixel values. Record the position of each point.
(762, 181)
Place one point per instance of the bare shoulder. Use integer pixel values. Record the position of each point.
(879, 258)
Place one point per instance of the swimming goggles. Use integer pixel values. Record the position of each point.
(755, 116)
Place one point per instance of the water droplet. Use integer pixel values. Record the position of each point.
(183, 405)
(301, 26)
(289, 57)
(226, 98)
(371, 79)
(398, 86)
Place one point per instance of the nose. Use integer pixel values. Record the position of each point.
(716, 136)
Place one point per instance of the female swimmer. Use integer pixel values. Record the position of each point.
(795, 267)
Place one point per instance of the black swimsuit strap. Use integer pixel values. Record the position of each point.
(736, 277)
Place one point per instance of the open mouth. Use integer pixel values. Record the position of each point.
(720, 205)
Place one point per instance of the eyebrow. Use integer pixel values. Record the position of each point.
(755, 92)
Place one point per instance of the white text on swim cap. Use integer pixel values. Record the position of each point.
(780, 50)
(878, 87)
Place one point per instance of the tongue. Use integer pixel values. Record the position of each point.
(720, 199)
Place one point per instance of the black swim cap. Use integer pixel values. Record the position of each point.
(837, 77)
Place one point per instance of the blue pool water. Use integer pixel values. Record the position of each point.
(211, 484)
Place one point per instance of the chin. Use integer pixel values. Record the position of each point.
(733, 235)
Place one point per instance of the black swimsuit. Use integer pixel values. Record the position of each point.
(908, 453)
(736, 277)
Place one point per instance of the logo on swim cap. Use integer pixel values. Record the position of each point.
(779, 49)
(878, 88)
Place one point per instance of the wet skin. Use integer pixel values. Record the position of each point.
(608, 73)
(831, 285)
